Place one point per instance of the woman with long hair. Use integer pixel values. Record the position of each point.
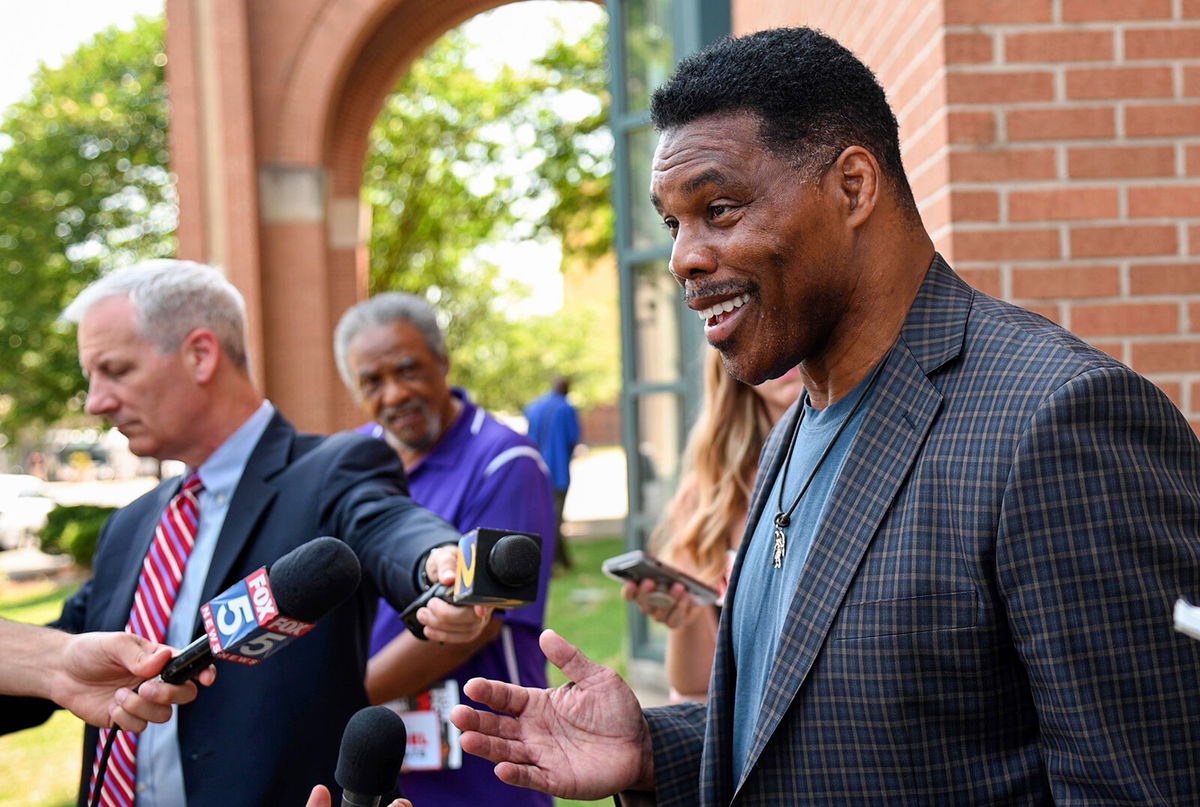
(705, 519)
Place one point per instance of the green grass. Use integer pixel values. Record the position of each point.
(35, 603)
(39, 767)
(586, 609)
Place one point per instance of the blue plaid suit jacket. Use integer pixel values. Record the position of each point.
(985, 616)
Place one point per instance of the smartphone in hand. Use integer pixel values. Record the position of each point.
(638, 566)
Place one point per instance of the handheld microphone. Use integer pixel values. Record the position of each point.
(507, 577)
(259, 614)
(369, 759)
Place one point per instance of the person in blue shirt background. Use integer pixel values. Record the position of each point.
(554, 429)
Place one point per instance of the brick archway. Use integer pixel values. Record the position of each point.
(272, 102)
(1054, 146)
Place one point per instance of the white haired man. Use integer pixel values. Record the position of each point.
(163, 347)
(472, 470)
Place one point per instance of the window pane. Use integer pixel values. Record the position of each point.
(655, 323)
(646, 224)
(648, 53)
(660, 442)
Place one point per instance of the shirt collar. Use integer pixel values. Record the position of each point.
(450, 446)
(222, 471)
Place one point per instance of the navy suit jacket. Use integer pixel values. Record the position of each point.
(264, 735)
(985, 614)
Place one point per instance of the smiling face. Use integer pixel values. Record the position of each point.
(150, 396)
(402, 386)
(762, 252)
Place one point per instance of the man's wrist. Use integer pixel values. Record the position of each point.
(39, 669)
(422, 579)
(645, 781)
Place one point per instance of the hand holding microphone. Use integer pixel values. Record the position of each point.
(259, 614)
(256, 616)
(494, 569)
(92, 674)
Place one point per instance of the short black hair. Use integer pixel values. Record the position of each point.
(814, 97)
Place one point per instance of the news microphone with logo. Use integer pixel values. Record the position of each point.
(259, 614)
(499, 568)
(370, 757)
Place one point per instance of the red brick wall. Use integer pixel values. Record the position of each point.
(601, 425)
(1054, 147)
(901, 40)
(1090, 168)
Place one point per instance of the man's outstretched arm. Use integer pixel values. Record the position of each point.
(91, 674)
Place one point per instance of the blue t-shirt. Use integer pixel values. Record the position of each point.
(554, 429)
(483, 474)
(763, 598)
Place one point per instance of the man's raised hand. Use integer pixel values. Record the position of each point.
(586, 739)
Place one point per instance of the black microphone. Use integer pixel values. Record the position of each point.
(507, 577)
(260, 613)
(369, 760)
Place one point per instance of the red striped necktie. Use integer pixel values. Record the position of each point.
(158, 586)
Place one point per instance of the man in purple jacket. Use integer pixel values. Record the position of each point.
(473, 471)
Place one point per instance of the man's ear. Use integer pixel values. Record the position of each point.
(859, 183)
(201, 351)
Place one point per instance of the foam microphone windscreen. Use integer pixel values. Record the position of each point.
(372, 751)
(314, 578)
(515, 559)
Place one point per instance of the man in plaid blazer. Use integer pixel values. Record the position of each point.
(982, 611)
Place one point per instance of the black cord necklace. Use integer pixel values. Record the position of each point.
(784, 517)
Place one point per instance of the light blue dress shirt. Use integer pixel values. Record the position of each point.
(159, 767)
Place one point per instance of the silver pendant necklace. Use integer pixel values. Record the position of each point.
(783, 518)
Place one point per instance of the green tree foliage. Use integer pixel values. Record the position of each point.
(83, 187)
(577, 168)
(74, 530)
(458, 160)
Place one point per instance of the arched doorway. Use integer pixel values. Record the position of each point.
(272, 103)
